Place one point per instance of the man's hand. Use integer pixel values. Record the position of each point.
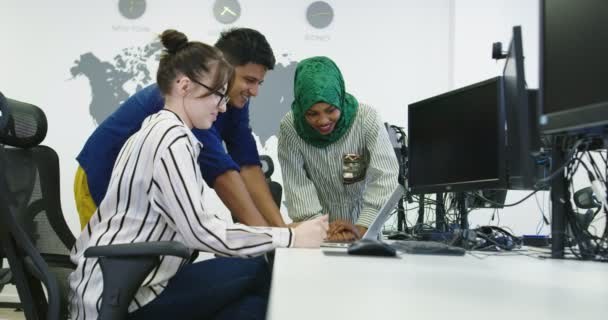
(310, 234)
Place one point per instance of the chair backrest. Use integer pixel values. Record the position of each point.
(36, 238)
(275, 188)
(32, 176)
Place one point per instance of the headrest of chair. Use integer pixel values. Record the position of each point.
(21, 124)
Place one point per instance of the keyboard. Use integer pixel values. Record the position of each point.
(427, 247)
(336, 244)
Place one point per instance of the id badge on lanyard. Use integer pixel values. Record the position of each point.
(353, 168)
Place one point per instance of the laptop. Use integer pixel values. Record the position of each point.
(373, 232)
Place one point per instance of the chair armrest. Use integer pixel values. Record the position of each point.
(124, 268)
(142, 249)
(58, 260)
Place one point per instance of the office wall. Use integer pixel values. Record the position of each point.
(480, 23)
(78, 59)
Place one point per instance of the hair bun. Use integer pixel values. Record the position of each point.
(173, 40)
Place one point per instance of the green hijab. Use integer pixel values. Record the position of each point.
(318, 79)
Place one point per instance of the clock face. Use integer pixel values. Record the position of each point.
(132, 9)
(226, 11)
(320, 14)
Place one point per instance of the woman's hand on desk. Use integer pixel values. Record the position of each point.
(362, 230)
(346, 236)
(341, 230)
(310, 234)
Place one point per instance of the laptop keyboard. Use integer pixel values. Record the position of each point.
(427, 247)
(336, 244)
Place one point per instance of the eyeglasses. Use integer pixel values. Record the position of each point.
(224, 98)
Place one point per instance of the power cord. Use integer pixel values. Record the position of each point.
(500, 204)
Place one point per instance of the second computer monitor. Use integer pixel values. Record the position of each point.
(523, 140)
(456, 140)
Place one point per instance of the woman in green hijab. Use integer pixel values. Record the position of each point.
(334, 152)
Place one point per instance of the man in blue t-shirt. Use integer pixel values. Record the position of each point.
(235, 175)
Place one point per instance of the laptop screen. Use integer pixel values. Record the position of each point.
(376, 227)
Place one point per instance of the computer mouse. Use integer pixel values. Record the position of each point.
(371, 248)
(399, 236)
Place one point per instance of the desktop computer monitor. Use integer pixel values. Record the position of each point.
(523, 139)
(457, 139)
(573, 93)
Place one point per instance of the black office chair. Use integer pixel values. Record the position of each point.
(35, 238)
(275, 188)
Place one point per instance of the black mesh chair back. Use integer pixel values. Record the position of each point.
(32, 177)
(28, 269)
(36, 234)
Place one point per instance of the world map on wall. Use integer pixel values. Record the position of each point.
(112, 82)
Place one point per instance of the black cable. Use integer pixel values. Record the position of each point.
(499, 204)
(598, 173)
(492, 241)
(542, 182)
(580, 162)
(590, 247)
(601, 153)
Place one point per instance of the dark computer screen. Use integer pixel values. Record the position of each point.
(456, 140)
(574, 64)
(523, 139)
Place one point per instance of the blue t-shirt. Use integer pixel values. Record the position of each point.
(101, 149)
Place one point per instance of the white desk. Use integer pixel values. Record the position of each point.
(309, 284)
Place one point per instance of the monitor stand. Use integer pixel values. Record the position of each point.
(420, 220)
(401, 226)
(462, 210)
(559, 186)
(440, 213)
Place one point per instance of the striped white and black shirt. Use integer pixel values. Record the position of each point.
(155, 194)
(313, 177)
